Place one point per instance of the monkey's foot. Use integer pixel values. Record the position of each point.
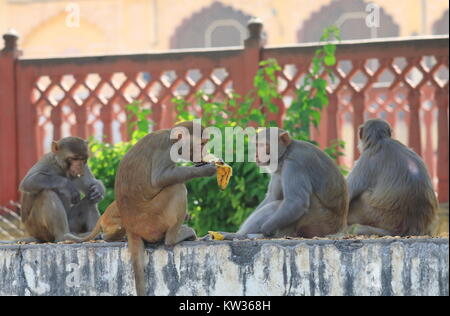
(255, 236)
(341, 235)
(67, 242)
(205, 238)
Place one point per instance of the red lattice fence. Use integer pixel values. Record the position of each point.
(403, 81)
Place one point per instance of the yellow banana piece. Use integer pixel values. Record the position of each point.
(216, 235)
(224, 173)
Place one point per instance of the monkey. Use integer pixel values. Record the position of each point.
(110, 223)
(307, 194)
(391, 193)
(52, 210)
(151, 195)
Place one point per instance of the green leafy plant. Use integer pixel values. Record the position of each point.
(312, 96)
(105, 157)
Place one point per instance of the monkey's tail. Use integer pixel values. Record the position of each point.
(137, 250)
(97, 229)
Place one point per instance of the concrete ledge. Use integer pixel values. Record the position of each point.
(269, 267)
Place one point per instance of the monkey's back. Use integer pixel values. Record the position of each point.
(401, 187)
(134, 191)
(45, 165)
(327, 181)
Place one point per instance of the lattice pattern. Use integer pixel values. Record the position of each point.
(94, 104)
(10, 223)
(384, 86)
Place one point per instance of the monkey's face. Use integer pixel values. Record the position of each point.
(72, 155)
(271, 147)
(191, 139)
(76, 165)
(197, 154)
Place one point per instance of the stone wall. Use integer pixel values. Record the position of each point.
(270, 267)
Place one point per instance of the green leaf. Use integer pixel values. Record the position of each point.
(330, 60)
(320, 83)
(330, 49)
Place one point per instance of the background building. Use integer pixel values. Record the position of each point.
(86, 27)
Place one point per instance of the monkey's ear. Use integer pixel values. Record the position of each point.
(285, 138)
(360, 132)
(54, 146)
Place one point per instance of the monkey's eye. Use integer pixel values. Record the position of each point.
(71, 160)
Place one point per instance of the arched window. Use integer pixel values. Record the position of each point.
(350, 17)
(214, 26)
(227, 32)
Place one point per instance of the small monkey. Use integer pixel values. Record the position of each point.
(52, 210)
(151, 195)
(390, 190)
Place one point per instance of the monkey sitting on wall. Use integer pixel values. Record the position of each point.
(307, 195)
(390, 190)
(52, 210)
(151, 195)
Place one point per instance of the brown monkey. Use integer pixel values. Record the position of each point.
(51, 207)
(307, 195)
(390, 189)
(151, 195)
(110, 224)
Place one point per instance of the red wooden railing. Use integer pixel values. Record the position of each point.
(405, 81)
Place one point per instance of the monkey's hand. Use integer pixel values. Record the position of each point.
(70, 192)
(206, 170)
(96, 192)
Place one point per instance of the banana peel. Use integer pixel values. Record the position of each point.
(224, 173)
(216, 235)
